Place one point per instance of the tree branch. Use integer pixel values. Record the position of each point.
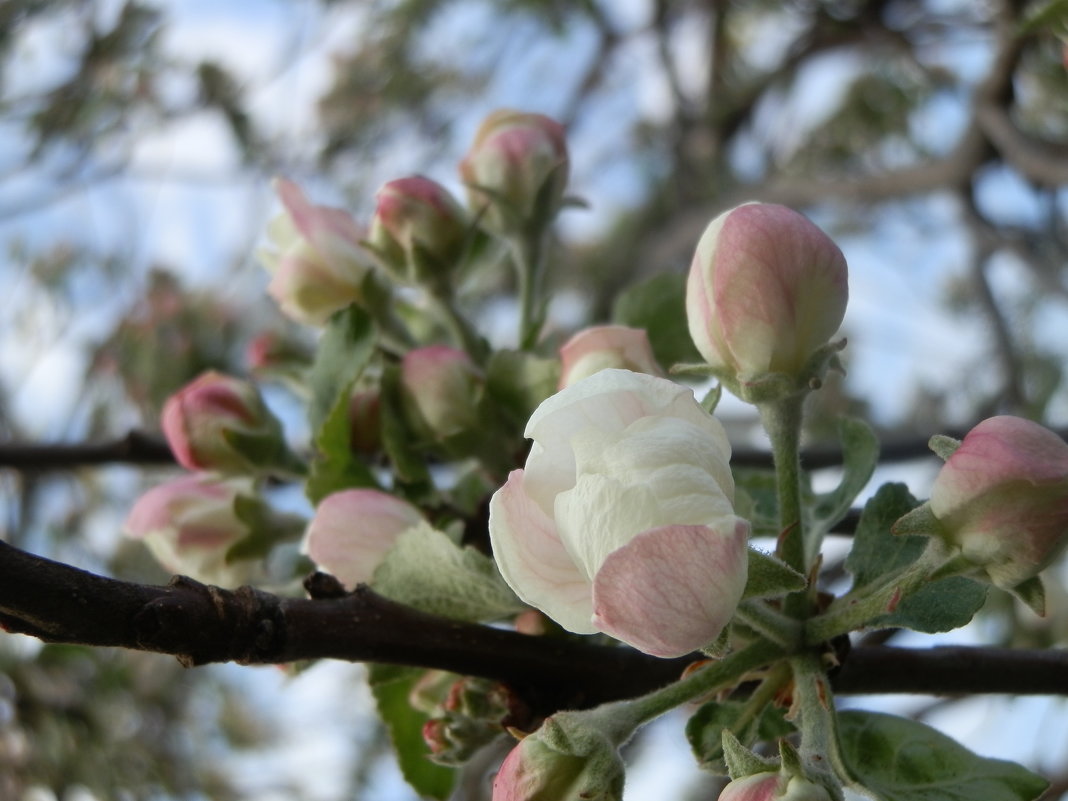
(200, 624)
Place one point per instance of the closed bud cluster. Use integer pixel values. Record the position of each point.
(352, 531)
(605, 346)
(766, 291)
(315, 259)
(1002, 499)
(516, 171)
(189, 524)
(442, 388)
(474, 713)
(199, 420)
(418, 231)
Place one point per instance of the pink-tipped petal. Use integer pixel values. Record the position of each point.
(534, 562)
(672, 589)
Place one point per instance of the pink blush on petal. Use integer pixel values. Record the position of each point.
(672, 589)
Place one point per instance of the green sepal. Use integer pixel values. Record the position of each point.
(427, 570)
(770, 577)
(904, 760)
(266, 452)
(391, 687)
(943, 446)
(792, 764)
(919, 522)
(1033, 593)
(712, 398)
(740, 761)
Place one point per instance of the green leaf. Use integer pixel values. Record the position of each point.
(517, 382)
(659, 306)
(944, 605)
(860, 452)
(706, 727)
(875, 550)
(391, 687)
(344, 350)
(769, 577)
(336, 466)
(756, 500)
(902, 760)
(427, 570)
(399, 443)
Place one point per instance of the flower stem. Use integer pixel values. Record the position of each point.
(820, 749)
(717, 675)
(459, 327)
(770, 623)
(527, 255)
(782, 421)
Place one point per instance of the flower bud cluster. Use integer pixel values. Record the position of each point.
(474, 713)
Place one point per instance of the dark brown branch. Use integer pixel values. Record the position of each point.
(201, 624)
(147, 449)
(956, 670)
(136, 447)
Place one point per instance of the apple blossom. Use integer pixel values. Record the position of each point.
(516, 170)
(353, 530)
(766, 289)
(602, 346)
(442, 387)
(418, 231)
(189, 524)
(316, 262)
(1002, 498)
(622, 520)
(561, 762)
(196, 418)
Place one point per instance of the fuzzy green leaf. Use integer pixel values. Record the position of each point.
(336, 466)
(903, 760)
(427, 570)
(941, 606)
(860, 451)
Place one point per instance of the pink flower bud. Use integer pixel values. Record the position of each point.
(195, 419)
(418, 231)
(1002, 498)
(316, 263)
(604, 346)
(353, 530)
(516, 170)
(189, 524)
(766, 290)
(773, 787)
(557, 764)
(442, 386)
(622, 520)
